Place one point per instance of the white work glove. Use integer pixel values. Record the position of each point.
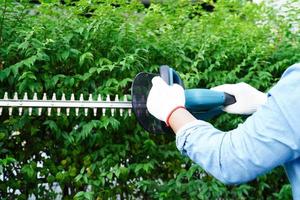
(164, 98)
(248, 99)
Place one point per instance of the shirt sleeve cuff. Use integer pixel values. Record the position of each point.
(184, 132)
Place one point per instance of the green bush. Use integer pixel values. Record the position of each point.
(93, 47)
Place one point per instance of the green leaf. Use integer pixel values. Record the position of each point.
(27, 75)
(109, 176)
(52, 125)
(65, 55)
(29, 172)
(29, 62)
(86, 57)
(4, 74)
(2, 135)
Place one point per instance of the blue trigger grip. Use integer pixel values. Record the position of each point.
(204, 103)
(203, 99)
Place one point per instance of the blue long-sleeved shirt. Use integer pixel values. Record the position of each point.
(268, 138)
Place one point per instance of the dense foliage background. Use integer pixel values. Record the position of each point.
(98, 47)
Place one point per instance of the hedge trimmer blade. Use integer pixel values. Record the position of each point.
(140, 89)
(56, 106)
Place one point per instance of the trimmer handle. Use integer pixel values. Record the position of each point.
(205, 104)
(206, 99)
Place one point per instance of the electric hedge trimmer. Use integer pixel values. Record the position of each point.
(202, 103)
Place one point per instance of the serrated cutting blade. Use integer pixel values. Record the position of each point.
(80, 105)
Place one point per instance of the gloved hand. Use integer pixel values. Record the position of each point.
(248, 99)
(163, 98)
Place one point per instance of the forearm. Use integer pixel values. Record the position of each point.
(237, 156)
(192, 134)
(180, 118)
(223, 155)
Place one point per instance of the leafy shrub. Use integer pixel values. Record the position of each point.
(98, 48)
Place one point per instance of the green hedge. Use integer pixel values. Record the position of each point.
(98, 48)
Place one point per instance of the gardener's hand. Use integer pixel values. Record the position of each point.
(248, 99)
(163, 98)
